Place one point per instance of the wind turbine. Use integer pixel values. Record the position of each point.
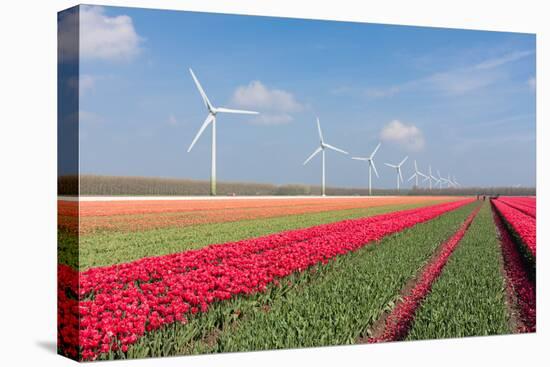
(441, 180)
(370, 160)
(432, 177)
(416, 174)
(322, 148)
(455, 181)
(398, 168)
(211, 119)
(449, 181)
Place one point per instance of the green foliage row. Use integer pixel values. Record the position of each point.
(107, 248)
(329, 304)
(468, 299)
(137, 186)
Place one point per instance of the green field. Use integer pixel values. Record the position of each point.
(468, 299)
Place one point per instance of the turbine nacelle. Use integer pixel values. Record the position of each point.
(321, 148)
(417, 174)
(212, 111)
(370, 160)
(398, 168)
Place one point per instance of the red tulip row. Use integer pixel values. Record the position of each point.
(400, 319)
(518, 278)
(119, 303)
(524, 225)
(525, 205)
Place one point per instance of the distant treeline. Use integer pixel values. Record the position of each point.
(149, 186)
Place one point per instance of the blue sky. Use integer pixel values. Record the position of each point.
(462, 101)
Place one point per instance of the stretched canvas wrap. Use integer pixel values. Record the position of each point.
(242, 183)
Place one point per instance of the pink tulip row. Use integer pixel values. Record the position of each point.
(118, 304)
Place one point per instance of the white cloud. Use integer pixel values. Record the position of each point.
(107, 38)
(275, 105)
(504, 59)
(532, 83)
(455, 81)
(408, 136)
(461, 81)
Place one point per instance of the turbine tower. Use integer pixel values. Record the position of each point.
(441, 180)
(398, 169)
(370, 160)
(449, 181)
(322, 148)
(432, 177)
(416, 174)
(455, 181)
(211, 119)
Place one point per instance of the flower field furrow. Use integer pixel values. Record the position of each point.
(517, 276)
(400, 319)
(118, 304)
(524, 225)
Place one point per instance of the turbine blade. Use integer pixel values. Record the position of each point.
(359, 158)
(415, 166)
(201, 91)
(320, 132)
(335, 149)
(374, 168)
(206, 122)
(230, 110)
(413, 176)
(313, 155)
(403, 161)
(375, 150)
(390, 165)
(400, 175)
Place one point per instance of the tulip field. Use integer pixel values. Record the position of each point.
(160, 278)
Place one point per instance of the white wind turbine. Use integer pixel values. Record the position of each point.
(211, 119)
(370, 160)
(322, 148)
(432, 177)
(441, 180)
(455, 181)
(416, 174)
(398, 168)
(449, 181)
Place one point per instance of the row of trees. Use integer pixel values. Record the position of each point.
(149, 186)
